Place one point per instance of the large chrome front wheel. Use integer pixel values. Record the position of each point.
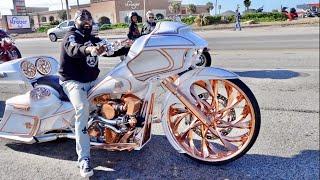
(234, 125)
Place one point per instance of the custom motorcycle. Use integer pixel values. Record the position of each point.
(207, 113)
(8, 51)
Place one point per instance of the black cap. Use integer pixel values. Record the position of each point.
(83, 14)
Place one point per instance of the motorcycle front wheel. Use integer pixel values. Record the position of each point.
(234, 126)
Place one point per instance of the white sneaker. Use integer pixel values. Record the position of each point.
(85, 168)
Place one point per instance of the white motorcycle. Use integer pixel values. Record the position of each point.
(206, 113)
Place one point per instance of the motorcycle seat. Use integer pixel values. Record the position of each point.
(52, 81)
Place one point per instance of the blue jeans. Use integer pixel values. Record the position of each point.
(78, 95)
(237, 25)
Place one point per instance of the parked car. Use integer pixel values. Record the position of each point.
(60, 30)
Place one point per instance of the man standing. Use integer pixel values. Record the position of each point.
(238, 19)
(78, 72)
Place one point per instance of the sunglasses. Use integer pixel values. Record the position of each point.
(151, 17)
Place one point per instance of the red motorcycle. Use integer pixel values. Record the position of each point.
(8, 51)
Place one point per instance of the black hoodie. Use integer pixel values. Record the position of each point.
(75, 63)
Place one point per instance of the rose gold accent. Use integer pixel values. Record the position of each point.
(231, 135)
(33, 130)
(132, 122)
(23, 107)
(133, 105)
(43, 66)
(111, 136)
(117, 146)
(172, 88)
(102, 99)
(124, 138)
(28, 125)
(93, 131)
(148, 121)
(108, 111)
(28, 69)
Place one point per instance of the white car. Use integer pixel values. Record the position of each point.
(60, 30)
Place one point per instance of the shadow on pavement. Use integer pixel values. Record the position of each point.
(158, 160)
(271, 74)
(2, 106)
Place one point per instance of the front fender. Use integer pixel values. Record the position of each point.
(183, 84)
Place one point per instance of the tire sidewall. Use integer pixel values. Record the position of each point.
(53, 39)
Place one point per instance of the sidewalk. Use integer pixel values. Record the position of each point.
(121, 33)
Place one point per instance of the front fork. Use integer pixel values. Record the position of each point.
(169, 84)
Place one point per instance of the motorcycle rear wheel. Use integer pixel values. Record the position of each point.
(235, 122)
(205, 58)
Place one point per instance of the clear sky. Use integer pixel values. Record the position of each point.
(6, 5)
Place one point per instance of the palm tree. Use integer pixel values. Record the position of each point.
(247, 4)
(174, 7)
(209, 6)
(192, 8)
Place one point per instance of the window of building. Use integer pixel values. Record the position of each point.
(43, 19)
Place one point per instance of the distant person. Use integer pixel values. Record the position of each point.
(134, 32)
(149, 25)
(238, 19)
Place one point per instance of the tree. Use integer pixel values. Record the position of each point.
(51, 18)
(192, 8)
(209, 6)
(62, 15)
(104, 20)
(247, 4)
(174, 7)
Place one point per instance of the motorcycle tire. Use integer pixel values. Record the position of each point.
(205, 59)
(206, 147)
(17, 51)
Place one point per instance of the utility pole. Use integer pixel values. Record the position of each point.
(67, 6)
(216, 7)
(144, 10)
(61, 4)
(78, 4)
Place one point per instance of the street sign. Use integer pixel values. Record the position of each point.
(18, 22)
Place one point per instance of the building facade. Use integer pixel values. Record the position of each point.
(118, 11)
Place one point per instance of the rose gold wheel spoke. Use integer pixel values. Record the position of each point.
(195, 95)
(178, 120)
(185, 132)
(191, 144)
(224, 140)
(214, 84)
(230, 106)
(175, 111)
(204, 145)
(241, 125)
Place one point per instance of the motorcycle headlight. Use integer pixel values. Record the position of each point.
(43, 66)
(28, 69)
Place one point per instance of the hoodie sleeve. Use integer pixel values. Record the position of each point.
(74, 48)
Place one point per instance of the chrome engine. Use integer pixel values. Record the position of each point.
(115, 119)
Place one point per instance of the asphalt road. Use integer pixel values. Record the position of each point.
(280, 65)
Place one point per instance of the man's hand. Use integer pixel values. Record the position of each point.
(95, 50)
